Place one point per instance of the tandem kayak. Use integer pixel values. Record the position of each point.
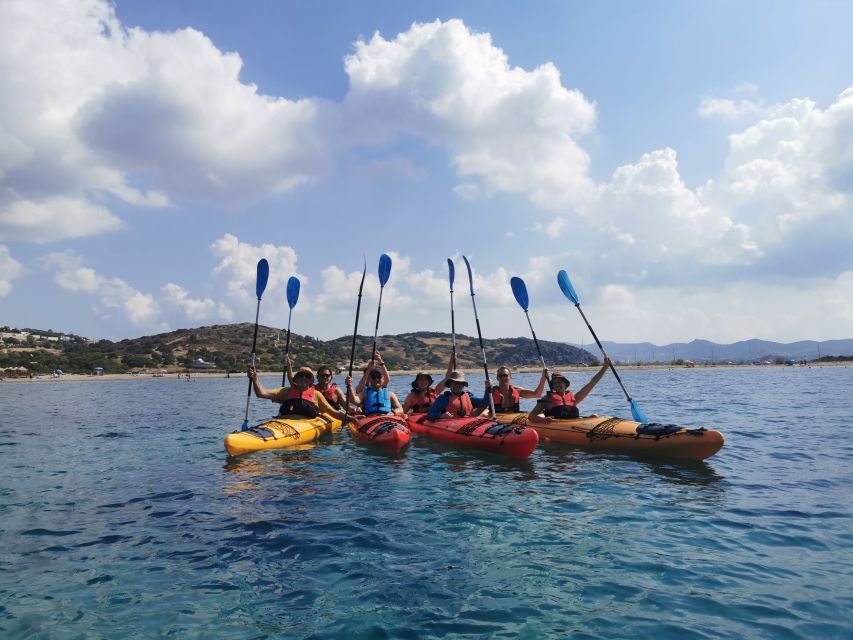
(390, 432)
(279, 433)
(607, 433)
(513, 440)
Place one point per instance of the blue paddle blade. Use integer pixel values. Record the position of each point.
(638, 414)
(452, 269)
(292, 291)
(470, 275)
(384, 269)
(519, 290)
(263, 276)
(566, 287)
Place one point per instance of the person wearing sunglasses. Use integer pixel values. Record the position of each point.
(329, 389)
(507, 397)
(299, 399)
(560, 403)
(375, 399)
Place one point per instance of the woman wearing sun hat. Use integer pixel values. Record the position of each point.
(300, 398)
(456, 402)
(560, 403)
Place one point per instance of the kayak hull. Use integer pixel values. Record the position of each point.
(606, 433)
(513, 440)
(280, 433)
(389, 432)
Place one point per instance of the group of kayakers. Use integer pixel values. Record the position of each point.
(447, 399)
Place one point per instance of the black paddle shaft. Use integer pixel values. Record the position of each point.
(598, 342)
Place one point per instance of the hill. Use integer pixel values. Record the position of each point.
(228, 348)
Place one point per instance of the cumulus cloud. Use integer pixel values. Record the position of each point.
(102, 109)
(10, 269)
(195, 309)
(54, 219)
(516, 130)
(139, 308)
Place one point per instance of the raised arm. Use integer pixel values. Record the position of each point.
(451, 366)
(260, 391)
(584, 392)
(352, 398)
(289, 369)
(537, 393)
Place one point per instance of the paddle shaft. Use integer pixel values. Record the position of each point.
(286, 350)
(352, 349)
(598, 342)
(452, 329)
(536, 342)
(482, 350)
(252, 360)
(376, 328)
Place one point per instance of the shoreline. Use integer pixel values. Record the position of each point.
(574, 369)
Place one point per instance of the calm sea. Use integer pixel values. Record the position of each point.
(121, 517)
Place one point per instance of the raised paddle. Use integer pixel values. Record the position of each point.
(292, 297)
(384, 274)
(452, 273)
(479, 333)
(519, 290)
(354, 334)
(569, 291)
(260, 284)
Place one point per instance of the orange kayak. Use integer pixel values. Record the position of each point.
(513, 440)
(390, 432)
(606, 433)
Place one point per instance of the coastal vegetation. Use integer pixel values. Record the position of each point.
(226, 348)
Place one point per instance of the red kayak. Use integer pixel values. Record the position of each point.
(515, 441)
(390, 432)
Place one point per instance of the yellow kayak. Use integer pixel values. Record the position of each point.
(606, 433)
(279, 433)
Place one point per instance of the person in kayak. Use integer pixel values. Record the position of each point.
(422, 395)
(456, 402)
(329, 389)
(375, 399)
(560, 403)
(506, 397)
(300, 399)
(377, 361)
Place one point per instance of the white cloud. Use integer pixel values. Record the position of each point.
(114, 293)
(10, 269)
(93, 108)
(514, 129)
(726, 109)
(553, 229)
(195, 309)
(54, 219)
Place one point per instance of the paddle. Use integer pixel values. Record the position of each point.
(452, 272)
(292, 297)
(569, 291)
(260, 284)
(519, 290)
(479, 333)
(384, 274)
(352, 350)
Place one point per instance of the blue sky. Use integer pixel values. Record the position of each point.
(689, 164)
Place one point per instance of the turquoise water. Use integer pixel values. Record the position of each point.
(120, 516)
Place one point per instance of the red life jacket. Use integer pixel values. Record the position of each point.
(460, 405)
(330, 394)
(562, 407)
(300, 403)
(421, 402)
(498, 399)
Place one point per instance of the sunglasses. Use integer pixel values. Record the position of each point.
(503, 375)
(324, 375)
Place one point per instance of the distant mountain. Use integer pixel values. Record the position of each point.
(738, 352)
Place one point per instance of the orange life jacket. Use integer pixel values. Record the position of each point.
(300, 403)
(460, 405)
(330, 394)
(562, 407)
(421, 401)
(498, 399)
